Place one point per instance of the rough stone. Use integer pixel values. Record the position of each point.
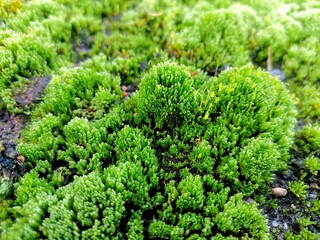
(279, 192)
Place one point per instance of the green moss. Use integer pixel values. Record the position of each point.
(313, 165)
(31, 185)
(45, 36)
(135, 227)
(217, 38)
(80, 88)
(166, 98)
(263, 7)
(237, 216)
(215, 113)
(97, 9)
(316, 206)
(191, 191)
(304, 234)
(136, 38)
(125, 53)
(207, 139)
(10, 7)
(308, 101)
(6, 185)
(304, 222)
(299, 189)
(59, 140)
(308, 138)
(201, 159)
(286, 31)
(24, 55)
(301, 61)
(156, 19)
(178, 158)
(278, 31)
(247, 120)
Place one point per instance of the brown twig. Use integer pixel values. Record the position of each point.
(269, 60)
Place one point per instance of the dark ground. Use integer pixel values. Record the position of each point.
(283, 212)
(11, 124)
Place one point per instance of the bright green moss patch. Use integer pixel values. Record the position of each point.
(302, 61)
(23, 55)
(91, 89)
(98, 8)
(313, 165)
(174, 161)
(45, 36)
(298, 188)
(308, 138)
(201, 41)
(308, 101)
(304, 234)
(166, 98)
(168, 103)
(181, 158)
(9, 7)
(61, 135)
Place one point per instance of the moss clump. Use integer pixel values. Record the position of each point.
(301, 61)
(179, 158)
(10, 7)
(61, 138)
(98, 8)
(45, 36)
(279, 30)
(308, 138)
(23, 55)
(166, 98)
(308, 101)
(231, 113)
(192, 149)
(304, 234)
(201, 40)
(299, 189)
(126, 53)
(313, 165)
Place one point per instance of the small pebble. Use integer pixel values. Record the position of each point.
(278, 73)
(221, 69)
(313, 195)
(287, 175)
(275, 223)
(249, 200)
(10, 149)
(143, 65)
(124, 88)
(315, 186)
(279, 192)
(21, 158)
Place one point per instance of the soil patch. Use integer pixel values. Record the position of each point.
(31, 94)
(10, 128)
(11, 125)
(11, 163)
(283, 213)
